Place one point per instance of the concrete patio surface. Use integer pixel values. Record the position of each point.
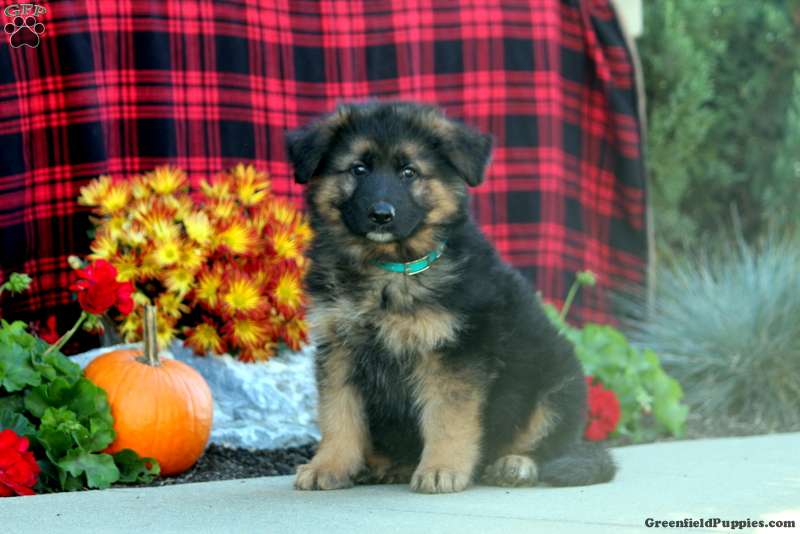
(756, 478)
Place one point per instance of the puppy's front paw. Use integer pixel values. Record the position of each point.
(439, 480)
(313, 476)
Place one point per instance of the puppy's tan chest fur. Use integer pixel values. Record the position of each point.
(394, 312)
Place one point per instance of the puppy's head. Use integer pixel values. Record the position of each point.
(388, 173)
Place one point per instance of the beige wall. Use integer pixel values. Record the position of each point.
(630, 13)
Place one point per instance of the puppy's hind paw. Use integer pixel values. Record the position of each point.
(511, 470)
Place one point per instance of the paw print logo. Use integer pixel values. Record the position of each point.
(24, 32)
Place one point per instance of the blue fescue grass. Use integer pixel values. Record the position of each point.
(727, 325)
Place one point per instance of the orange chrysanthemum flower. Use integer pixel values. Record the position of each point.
(204, 338)
(288, 291)
(241, 295)
(218, 188)
(199, 227)
(115, 198)
(104, 247)
(208, 286)
(249, 333)
(166, 253)
(295, 333)
(166, 180)
(259, 354)
(252, 186)
(286, 244)
(238, 237)
(95, 191)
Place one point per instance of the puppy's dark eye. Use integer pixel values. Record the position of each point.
(358, 170)
(408, 172)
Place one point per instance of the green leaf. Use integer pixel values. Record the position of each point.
(16, 422)
(16, 370)
(133, 468)
(60, 431)
(101, 430)
(56, 393)
(100, 469)
(88, 400)
(54, 364)
(13, 403)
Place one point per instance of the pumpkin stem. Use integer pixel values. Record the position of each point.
(150, 339)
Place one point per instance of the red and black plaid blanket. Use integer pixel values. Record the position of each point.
(121, 87)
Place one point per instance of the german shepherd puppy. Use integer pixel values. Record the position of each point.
(435, 362)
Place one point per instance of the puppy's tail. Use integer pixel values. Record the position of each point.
(582, 464)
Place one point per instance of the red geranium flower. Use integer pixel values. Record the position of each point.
(604, 411)
(18, 467)
(98, 289)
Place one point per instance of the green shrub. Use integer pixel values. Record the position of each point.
(44, 396)
(727, 324)
(722, 82)
(650, 400)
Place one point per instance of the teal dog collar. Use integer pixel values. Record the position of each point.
(412, 267)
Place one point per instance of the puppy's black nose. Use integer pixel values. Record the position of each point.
(381, 213)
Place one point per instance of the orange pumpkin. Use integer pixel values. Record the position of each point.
(162, 408)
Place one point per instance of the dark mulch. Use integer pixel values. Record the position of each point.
(224, 463)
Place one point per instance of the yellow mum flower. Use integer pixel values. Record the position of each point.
(181, 205)
(223, 210)
(133, 236)
(208, 286)
(116, 226)
(294, 333)
(238, 237)
(242, 295)
(282, 212)
(285, 243)
(288, 292)
(198, 227)
(171, 305)
(204, 338)
(160, 226)
(249, 333)
(127, 266)
(192, 258)
(165, 330)
(149, 267)
(166, 253)
(115, 199)
(179, 280)
(94, 191)
(259, 354)
(104, 247)
(219, 188)
(166, 180)
(303, 232)
(131, 327)
(251, 185)
(140, 188)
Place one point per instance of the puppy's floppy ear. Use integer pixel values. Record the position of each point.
(307, 146)
(469, 151)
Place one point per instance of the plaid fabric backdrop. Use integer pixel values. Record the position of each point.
(121, 87)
